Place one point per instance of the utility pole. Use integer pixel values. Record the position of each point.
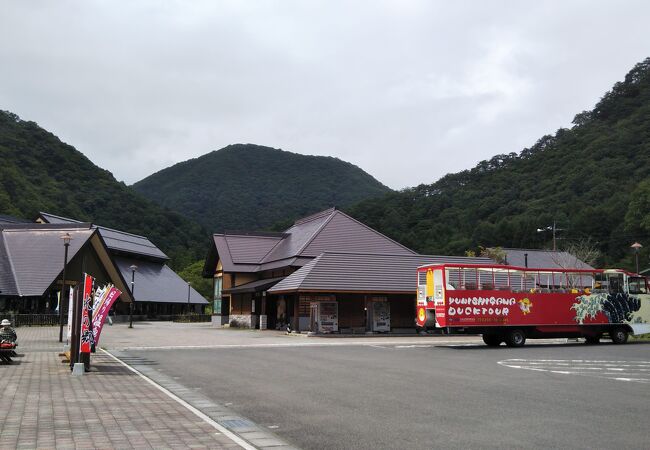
(636, 246)
(554, 229)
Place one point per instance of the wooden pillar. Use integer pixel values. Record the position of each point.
(296, 313)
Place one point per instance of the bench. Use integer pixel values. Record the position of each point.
(6, 353)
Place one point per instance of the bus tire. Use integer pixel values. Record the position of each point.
(492, 340)
(592, 340)
(515, 338)
(619, 335)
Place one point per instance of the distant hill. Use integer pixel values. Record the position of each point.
(592, 179)
(247, 186)
(38, 172)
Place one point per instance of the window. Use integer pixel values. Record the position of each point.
(218, 283)
(638, 286)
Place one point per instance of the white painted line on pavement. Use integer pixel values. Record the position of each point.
(239, 441)
(611, 370)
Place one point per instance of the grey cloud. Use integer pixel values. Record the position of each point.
(407, 90)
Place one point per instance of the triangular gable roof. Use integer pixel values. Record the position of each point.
(329, 230)
(342, 233)
(359, 272)
(36, 256)
(33, 256)
(116, 240)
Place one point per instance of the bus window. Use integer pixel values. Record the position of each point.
(638, 285)
(437, 285)
(615, 283)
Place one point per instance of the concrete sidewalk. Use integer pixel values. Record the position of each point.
(43, 406)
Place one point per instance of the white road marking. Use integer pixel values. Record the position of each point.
(635, 371)
(239, 441)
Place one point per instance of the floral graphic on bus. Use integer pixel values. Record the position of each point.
(525, 304)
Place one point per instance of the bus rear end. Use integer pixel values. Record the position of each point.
(431, 311)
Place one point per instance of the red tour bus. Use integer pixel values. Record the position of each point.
(509, 304)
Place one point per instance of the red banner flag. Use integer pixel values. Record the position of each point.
(103, 303)
(86, 332)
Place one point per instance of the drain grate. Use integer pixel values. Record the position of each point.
(237, 424)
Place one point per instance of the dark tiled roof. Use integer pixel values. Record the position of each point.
(543, 259)
(34, 255)
(6, 220)
(250, 249)
(357, 272)
(155, 282)
(118, 241)
(342, 233)
(330, 230)
(253, 286)
(130, 243)
(299, 235)
(51, 218)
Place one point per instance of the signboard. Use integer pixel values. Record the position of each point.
(497, 308)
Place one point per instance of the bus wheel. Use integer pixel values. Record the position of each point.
(515, 338)
(492, 340)
(592, 340)
(619, 335)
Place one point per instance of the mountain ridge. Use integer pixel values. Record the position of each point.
(249, 186)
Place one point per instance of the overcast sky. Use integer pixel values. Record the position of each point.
(406, 90)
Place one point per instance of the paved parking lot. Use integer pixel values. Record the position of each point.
(415, 392)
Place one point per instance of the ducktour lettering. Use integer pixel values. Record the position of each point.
(480, 306)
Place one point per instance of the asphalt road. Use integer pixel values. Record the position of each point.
(427, 396)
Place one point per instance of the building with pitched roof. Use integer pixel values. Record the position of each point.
(32, 260)
(546, 259)
(327, 272)
(158, 290)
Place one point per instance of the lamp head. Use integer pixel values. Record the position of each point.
(133, 267)
(66, 238)
(636, 246)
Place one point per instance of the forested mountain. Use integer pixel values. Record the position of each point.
(592, 179)
(38, 172)
(247, 186)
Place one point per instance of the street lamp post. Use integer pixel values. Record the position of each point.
(133, 269)
(66, 243)
(636, 246)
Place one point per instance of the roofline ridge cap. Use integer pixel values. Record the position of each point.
(315, 216)
(262, 261)
(317, 232)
